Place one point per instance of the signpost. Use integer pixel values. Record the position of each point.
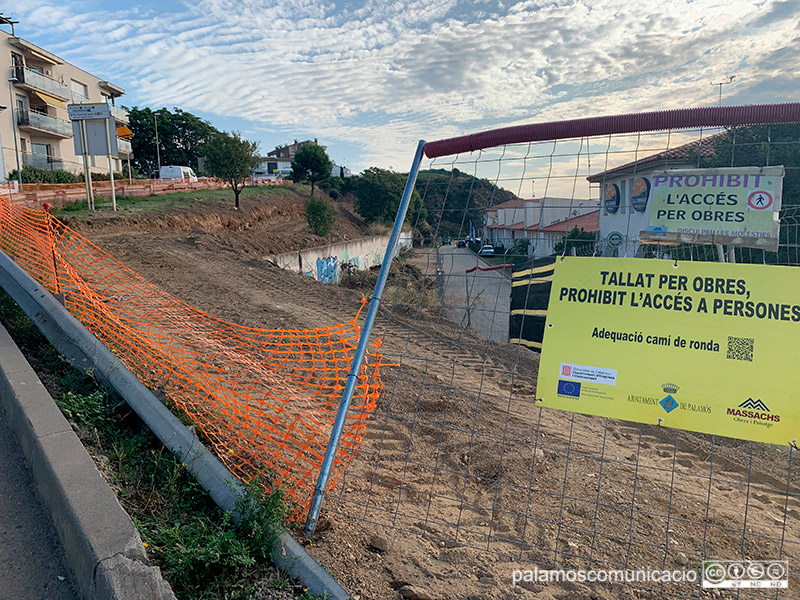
(94, 133)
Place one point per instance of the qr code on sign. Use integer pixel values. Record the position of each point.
(740, 348)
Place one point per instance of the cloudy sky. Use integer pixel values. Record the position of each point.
(369, 79)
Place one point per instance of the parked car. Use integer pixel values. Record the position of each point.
(486, 250)
(177, 172)
(446, 241)
(461, 244)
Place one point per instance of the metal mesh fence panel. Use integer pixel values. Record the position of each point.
(458, 451)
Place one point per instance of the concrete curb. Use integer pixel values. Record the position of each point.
(101, 545)
(88, 354)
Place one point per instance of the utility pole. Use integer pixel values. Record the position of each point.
(158, 152)
(721, 83)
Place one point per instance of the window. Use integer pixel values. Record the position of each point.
(17, 64)
(20, 104)
(80, 93)
(43, 149)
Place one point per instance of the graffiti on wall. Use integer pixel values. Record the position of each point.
(326, 263)
(328, 269)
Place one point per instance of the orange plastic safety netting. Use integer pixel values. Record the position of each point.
(265, 398)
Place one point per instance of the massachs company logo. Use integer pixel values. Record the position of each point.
(754, 412)
(754, 404)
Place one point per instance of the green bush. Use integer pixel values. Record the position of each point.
(320, 216)
(33, 175)
(104, 176)
(581, 241)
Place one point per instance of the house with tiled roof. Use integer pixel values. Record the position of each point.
(529, 219)
(623, 192)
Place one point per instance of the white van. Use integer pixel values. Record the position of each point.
(182, 173)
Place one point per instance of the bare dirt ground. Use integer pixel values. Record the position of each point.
(461, 477)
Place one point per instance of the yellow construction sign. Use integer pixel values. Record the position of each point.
(707, 347)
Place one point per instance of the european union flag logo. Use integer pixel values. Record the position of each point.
(669, 404)
(569, 388)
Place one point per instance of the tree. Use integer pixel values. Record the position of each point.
(760, 146)
(311, 163)
(520, 248)
(320, 216)
(581, 241)
(378, 195)
(182, 138)
(455, 198)
(233, 159)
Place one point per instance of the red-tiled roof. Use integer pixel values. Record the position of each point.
(516, 226)
(588, 222)
(704, 147)
(516, 203)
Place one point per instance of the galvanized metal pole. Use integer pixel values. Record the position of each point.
(355, 365)
(466, 287)
(110, 165)
(87, 175)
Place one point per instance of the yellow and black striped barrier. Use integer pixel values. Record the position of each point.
(530, 292)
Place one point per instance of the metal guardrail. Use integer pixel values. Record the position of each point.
(85, 352)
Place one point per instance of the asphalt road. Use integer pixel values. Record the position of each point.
(31, 567)
(487, 293)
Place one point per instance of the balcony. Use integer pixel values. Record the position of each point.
(124, 148)
(42, 161)
(44, 123)
(120, 114)
(27, 78)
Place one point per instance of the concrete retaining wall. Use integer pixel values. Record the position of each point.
(324, 263)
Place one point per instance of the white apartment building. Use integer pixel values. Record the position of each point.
(538, 220)
(35, 91)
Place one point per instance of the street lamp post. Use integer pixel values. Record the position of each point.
(11, 82)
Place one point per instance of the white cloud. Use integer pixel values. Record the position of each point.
(381, 75)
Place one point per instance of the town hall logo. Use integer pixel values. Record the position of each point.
(668, 403)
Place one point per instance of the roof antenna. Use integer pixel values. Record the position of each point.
(721, 83)
(7, 21)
